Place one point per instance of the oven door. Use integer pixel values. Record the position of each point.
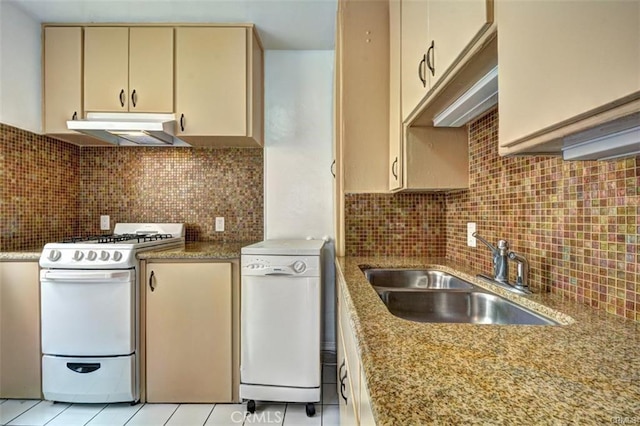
(88, 312)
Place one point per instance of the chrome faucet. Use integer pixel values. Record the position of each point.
(501, 256)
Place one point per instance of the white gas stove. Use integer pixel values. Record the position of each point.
(112, 251)
(90, 316)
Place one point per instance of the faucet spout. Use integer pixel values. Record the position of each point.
(493, 248)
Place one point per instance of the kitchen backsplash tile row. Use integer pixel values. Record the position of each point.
(395, 224)
(194, 186)
(577, 222)
(39, 182)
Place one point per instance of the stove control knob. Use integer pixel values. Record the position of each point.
(92, 255)
(54, 255)
(299, 266)
(117, 256)
(104, 255)
(78, 255)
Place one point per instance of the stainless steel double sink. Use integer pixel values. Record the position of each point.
(428, 295)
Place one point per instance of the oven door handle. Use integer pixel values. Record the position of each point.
(86, 276)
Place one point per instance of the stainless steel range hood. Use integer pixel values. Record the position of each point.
(130, 129)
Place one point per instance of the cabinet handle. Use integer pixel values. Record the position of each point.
(151, 281)
(122, 98)
(133, 98)
(393, 168)
(75, 115)
(431, 58)
(182, 122)
(420, 73)
(333, 172)
(343, 387)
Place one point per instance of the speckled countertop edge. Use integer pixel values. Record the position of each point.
(20, 256)
(198, 250)
(585, 372)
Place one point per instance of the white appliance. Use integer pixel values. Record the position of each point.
(89, 306)
(281, 322)
(130, 128)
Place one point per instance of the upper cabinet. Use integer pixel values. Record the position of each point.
(209, 76)
(128, 69)
(435, 35)
(219, 85)
(565, 67)
(62, 94)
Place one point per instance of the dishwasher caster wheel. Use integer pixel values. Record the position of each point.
(251, 406)
(311, 409)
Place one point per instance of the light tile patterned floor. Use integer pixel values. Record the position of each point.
(40, 413)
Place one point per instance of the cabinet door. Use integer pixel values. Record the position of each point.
(188, 332)
(366, 413)
(150, 69)
(346, 401)
(211, 81)
(415, 44)
(106, 69)
(453, 25)
(62, 77)
(395, 100)
(561, 61)
(19, 330)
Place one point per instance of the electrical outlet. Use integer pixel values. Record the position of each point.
(471, 228)
(105, 223)
(219, 224)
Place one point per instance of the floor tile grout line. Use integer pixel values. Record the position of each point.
(96, 414)
(172, 413)
(51, 419)
(134, 414)
(10, 420)
(210, 413)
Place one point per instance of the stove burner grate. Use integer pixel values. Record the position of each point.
(117, 238)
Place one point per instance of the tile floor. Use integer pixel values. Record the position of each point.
(39, 413)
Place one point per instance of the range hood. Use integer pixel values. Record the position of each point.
(616, 139)
(129, 129)
(482, 96)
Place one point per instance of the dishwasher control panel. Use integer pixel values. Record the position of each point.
(257, 265)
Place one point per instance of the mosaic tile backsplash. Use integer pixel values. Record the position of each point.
(50, 189)
(395, 225)
(39, 184)
(155, 184)
(578, 223)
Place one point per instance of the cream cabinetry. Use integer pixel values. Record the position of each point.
(219, 79)
(189, 309)
(353, 395)
(363, 99)
(564, 67)
(62, 75)
(128, 69)
(20, 330)
(396, 160)
(435, 34)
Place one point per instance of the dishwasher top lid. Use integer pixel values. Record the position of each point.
(285, 247)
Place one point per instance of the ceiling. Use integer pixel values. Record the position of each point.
(282, 24)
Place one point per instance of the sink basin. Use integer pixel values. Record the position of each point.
(417, 279)
(473, 307)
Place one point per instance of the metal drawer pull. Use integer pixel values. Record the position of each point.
(133, 97)
(151, 286)
(122, 98)
(420, 73)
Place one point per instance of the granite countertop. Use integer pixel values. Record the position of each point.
(199, 250)
(21, 256)
(584, 372)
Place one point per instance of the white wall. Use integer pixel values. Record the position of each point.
(298, 196)
(20, 69)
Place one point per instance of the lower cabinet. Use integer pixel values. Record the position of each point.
(20, 330)
(188, 324)
(353, 395)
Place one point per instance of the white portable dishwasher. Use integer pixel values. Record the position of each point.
(281, 322)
